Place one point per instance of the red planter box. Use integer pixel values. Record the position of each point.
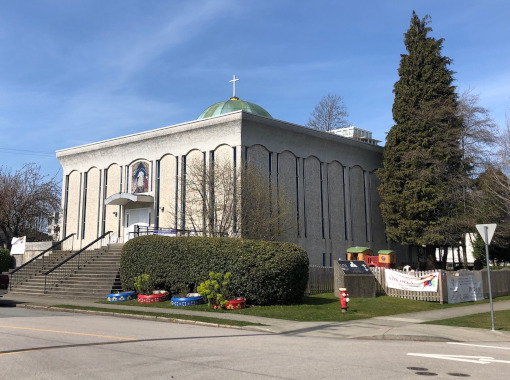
(152, 298)
(239, 303)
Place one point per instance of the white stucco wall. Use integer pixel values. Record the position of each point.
(328, 179)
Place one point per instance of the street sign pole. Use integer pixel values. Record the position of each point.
(486, 231)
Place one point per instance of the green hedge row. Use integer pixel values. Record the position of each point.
(266, 273)
(5, 260)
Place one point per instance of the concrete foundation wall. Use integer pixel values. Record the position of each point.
(31, 250)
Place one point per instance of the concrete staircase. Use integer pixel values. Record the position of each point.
(95, 280)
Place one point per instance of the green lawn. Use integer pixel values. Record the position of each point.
(321, 307)
(481, 321)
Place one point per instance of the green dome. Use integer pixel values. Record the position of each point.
(231, 105)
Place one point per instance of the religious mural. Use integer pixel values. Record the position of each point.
(140, 177)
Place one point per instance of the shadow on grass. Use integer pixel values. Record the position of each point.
(319, 300)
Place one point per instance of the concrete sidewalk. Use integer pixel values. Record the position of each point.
(394, 327)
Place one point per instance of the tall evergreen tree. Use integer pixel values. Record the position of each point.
(422, 160)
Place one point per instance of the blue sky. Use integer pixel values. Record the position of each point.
(76, 72)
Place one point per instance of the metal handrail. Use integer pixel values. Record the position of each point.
(69, 265)
(30, 268)
(146, 230)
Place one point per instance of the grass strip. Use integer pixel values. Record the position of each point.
(196, 318)
(480, 321)
(322, 308)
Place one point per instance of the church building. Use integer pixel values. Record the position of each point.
(137, 180)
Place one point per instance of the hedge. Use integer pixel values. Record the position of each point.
(266, 273)
(5, 260)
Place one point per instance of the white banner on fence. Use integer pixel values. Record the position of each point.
(464, 286)
(417, 283)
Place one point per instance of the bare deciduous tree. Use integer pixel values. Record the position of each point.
(211, 198)
(500, 181)
(330, 113)
(27, 200)
(222, 200)
(479, 131)
(489, 197)
(477, 140)
(265, 214)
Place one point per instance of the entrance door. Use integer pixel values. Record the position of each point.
(134, 217)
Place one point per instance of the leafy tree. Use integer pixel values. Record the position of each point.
(330, 113)
(422, 163)
(27, 200)
(497, 253)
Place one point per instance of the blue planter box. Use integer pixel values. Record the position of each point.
(121, 297)
(187, 301)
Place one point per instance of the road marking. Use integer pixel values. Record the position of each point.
(68, 332)
(462, 358)
(479, 345)
(24, 350)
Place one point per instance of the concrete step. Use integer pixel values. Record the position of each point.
(91, 275)
(98, 277)
(87, 285)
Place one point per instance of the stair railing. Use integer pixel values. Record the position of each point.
(32, 267)
(66, 268)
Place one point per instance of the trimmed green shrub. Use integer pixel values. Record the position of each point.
(265, 273)
(5, 260)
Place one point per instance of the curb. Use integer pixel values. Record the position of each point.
(140, 317)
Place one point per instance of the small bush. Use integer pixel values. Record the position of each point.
(5, 260)
(142, 284)
(215, 290)
(265, 273)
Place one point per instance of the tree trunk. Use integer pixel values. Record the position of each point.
(444, 259)
(430, 251)
(464, 253)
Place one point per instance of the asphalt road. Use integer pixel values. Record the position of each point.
(38, 344)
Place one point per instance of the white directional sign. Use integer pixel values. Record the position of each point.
(490, 231)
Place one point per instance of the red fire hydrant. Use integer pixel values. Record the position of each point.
(344, 299)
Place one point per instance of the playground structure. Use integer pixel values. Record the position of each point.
(384, 259)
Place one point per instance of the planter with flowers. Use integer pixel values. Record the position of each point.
(146, 294)
(236, 303)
